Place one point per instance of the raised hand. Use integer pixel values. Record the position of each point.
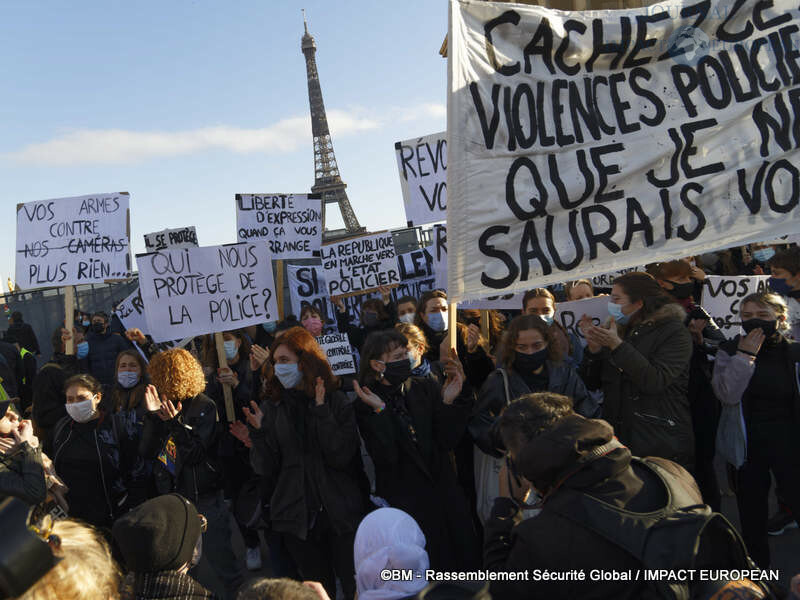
(339, 303)
(751, 343)
(7, 445)
(258, 356)
(152, 402)
(253, 415)
(169, 411)
(697, 274)
(602, 336)
(386, 293)
(454, 371)
(240, 432)
(135, 335)
(368, 397)
(473, 337)
(696, 328)
(319, 392)
(227, 377)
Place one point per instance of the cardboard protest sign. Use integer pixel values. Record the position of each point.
(416, 274)
(307, 287)
(570, 313)
(339, 353)
(195, 291)
(71, 241)
(360, 264)
(131, 314)
(184, 237)
(722, 295)
(580, 142)
(439, 253)
(290, 223)
(422, 163)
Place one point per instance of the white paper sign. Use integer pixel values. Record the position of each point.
(570, 313)
(184, 237)
(568, 158)
(72, 241)
(290, 223)
(722, 295)
(360, 264)
(422, 163)
(307, 287)
(195, 291)
(339, 353)
(131, 312)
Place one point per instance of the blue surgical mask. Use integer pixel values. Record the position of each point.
(615, 310)
(128, 379)
(86, 323)
(407, 318)
(270, 327)
(413, 360)
(547, 319)
(82, 350)
(288, 374)
(764, 254)
(230, 349)
(436, 321)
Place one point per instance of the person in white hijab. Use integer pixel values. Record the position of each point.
(389, 538)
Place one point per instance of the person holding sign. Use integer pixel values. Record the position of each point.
(641, 362)
(180, 433)
(755, 378)
(104, 347)
(531, 363)
(305, 442)
(410, 425)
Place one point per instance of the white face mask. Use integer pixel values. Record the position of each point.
(407, 318)
(288, 374)
(83, 411)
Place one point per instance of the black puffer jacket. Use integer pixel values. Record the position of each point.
(194, 472)
(306, 454)
(645, 382)
(550, 541)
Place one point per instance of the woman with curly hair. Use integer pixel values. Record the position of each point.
(305, 442)
(180, 431)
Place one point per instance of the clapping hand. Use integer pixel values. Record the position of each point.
(258, 356)
(240, 432)
(368, 397)
(319, 392)
(152, 402)
(598, 337)
(253, 415)
(169, 411)
(455, 377)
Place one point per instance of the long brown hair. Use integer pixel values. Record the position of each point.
(135, 394)
(523, 323)
(311, 362)
(642, 286)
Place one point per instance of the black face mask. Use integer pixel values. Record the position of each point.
(98, 327)
(369, 319)
(768, 327)
(527, 363)
(397, 371)
(681, 291)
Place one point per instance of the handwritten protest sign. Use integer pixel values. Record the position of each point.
(580, 142)
(206, 290)
(722, 295)
(290, 223)
(307, 287)
(422, 163)
(439, 253)
(339, 353)
(131, 314)
(184, 237)
(570, 313)
(71, 241)
(360, 264)
(416, 274)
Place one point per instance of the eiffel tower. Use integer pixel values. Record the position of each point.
(327, 181)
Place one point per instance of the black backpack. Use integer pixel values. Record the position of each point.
(679, 536)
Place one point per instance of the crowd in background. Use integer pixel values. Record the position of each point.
(423, 459)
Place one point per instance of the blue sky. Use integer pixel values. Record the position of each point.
(185, 103)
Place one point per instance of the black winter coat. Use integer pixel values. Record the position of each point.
(23, 334)
(306, 455)
(194, 472)
(13, 360)
(410, 443)
(645, 385)
(103, 351)
(22, 475)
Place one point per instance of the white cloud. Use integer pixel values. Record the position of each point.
(121, 146)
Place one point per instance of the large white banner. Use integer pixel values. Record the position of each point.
(585, 142)
(204, 290)
(72, 241)
(422, 163)
(290, 223)
(722, 297)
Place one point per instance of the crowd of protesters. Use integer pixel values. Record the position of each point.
(490, 454)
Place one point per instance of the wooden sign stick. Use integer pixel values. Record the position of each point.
(226, 389)
(69, 318)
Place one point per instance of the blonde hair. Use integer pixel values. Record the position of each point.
(86, 570)
(773, 301)
(176, 374)
(414, 335)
